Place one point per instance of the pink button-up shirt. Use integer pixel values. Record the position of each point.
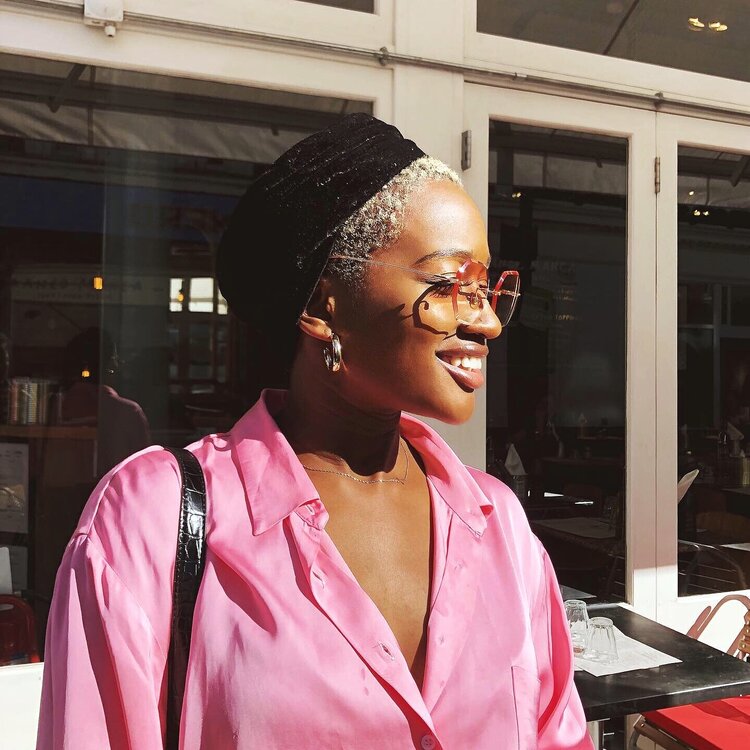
(288, 651)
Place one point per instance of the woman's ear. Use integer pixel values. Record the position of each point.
(315, 327)
(315, 321)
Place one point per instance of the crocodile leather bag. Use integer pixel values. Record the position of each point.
(188, 571)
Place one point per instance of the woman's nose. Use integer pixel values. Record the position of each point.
(486, 324)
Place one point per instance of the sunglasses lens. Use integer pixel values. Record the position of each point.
(467, 291)
(506, 300)
(471, 291)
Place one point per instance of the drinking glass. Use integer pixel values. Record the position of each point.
(578, 619)
(600, 645)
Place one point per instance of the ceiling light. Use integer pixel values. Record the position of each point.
(692, 192)
(695, 24)
(696, 212)
(705, 213)
(517, 194)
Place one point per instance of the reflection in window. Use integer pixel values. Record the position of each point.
(200, 341)
(702, 37)
(199, 330)
(112, 332)
(221, 304)
(556, 390)
(713, 340)
(201, 295)
(176, 294)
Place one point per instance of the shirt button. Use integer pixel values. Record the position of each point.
(319, 578)
(387, 651)
(428, 742)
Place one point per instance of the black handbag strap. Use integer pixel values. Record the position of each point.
(188, 571)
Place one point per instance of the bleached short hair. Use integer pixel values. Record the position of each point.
(379, 222)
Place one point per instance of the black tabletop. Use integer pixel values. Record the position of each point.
(704, 673)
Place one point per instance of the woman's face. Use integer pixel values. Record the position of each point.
(399, 334)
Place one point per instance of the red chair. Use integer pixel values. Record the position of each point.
(17, 632)
(713, 725)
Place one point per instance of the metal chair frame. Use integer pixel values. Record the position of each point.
(740, 649)
(703, 551)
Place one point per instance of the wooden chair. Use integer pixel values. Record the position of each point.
(713, 725)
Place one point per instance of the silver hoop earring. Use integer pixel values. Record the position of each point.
(332, 354)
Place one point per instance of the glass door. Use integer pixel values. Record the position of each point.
(703, 365)
(568, 190)
(113, 334)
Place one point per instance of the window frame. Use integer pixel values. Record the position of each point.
(673, 131)
(594, 72)
(484, 103)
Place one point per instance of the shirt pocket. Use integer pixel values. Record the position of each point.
(526, 697)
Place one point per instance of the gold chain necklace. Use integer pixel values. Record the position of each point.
(401, 480)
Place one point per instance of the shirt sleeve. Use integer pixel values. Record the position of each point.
(104, 671)
(562, 724)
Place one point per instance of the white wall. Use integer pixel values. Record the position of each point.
(20, 689)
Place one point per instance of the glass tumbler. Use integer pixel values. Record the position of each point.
(578, 619)
(600, 645)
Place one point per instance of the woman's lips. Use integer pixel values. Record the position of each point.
(467, 378)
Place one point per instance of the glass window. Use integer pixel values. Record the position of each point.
(708, 37)
(713, 338)
(556, 387)
(115, 188)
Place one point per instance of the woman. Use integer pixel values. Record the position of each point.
(363, 588)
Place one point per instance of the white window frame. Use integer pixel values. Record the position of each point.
(671, 132)
(206, 56)
(286, 18)
(594, 71)
(483, 103)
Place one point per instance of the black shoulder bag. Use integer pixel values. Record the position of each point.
(188, 571)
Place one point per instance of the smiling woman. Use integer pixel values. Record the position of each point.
(362, 587)
(408, 366)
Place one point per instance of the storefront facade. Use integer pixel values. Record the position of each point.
(609, 153)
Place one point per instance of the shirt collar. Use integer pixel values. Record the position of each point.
(276, 485)
(448, 475)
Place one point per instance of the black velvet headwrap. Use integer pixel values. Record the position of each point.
(280, 234)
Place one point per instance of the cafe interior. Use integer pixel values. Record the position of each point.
(556, 416)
